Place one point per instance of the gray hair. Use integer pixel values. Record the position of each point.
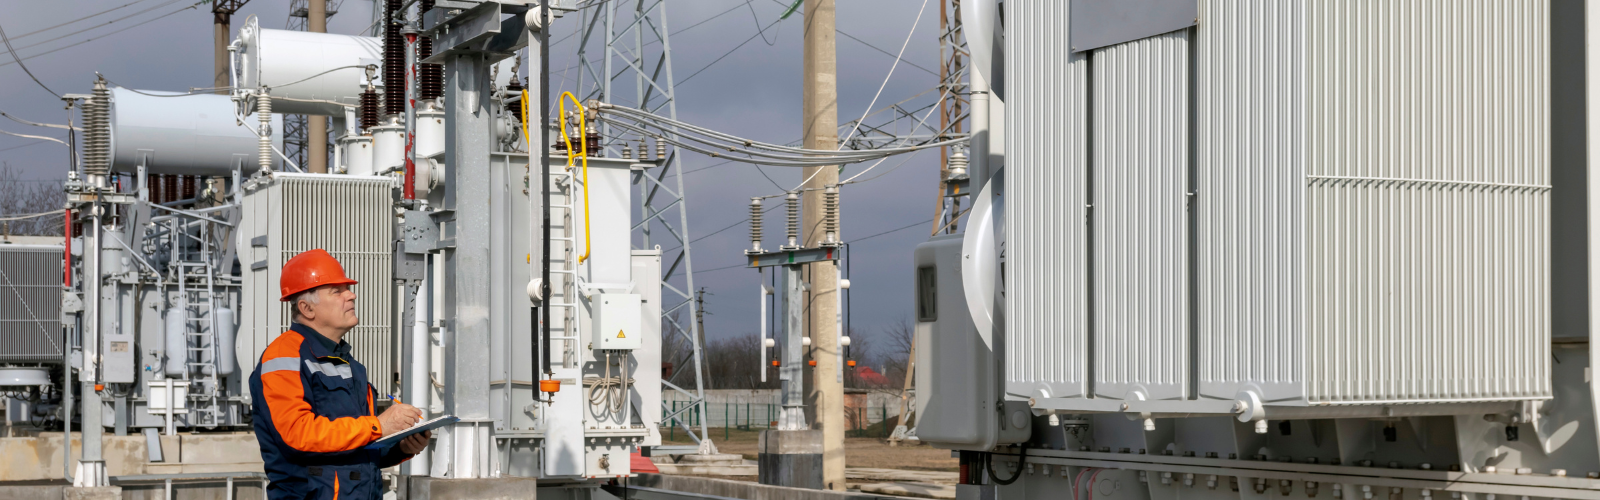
(306, 296)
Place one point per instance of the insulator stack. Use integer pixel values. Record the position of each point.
(97, 131)
(188, 187)
(830, 220)
(264, 112)
(394, 61)
(515, 107)
(369, 110)
(169, 188)
(430, 77)
(755, 224)
(661, 149)
(641, 150)
(627, 154)
(792, 232)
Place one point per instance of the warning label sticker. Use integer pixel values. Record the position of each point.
(620, 335)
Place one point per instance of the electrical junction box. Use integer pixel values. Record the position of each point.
(617, 322)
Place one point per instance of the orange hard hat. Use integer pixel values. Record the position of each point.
(311, 269)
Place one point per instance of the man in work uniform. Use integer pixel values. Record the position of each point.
(313, 407)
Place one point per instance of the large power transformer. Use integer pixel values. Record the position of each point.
(1243, 248)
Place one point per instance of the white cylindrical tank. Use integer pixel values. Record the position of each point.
(280, 58)
(177, 339)
(356, 154)
(388, 148)
(183, 134)
(224, 332)
(430, 129)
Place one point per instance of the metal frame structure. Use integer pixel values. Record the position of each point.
(622, 46)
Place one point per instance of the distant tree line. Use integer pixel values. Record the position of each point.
(735, 362)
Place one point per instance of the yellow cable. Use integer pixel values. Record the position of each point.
(583, 152)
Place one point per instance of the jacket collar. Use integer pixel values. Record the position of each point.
(321, 345)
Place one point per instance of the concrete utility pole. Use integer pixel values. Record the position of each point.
(821, 131)
(317, 126)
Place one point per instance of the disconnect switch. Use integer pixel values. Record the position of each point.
(618, 322)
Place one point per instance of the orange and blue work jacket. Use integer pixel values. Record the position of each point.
(313, 414)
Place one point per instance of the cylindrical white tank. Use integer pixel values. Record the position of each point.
(388, 148)
(177, 339)
(224, 334)
(430, 129)
(280, 58)
(356, 153)
(183, 134)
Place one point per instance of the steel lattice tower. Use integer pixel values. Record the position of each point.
(631, 39)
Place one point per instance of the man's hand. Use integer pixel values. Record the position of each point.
(415, 443)
(399, 417)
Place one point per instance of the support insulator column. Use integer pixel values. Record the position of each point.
(792, 232)
(830, 216)
(755, 227)
(264, 113)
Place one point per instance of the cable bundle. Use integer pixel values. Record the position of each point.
(720, 145)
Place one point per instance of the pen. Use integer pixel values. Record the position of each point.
(396, 399)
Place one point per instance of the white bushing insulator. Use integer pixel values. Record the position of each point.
(1149, 424)
(844, 284)
(805, 341)
(845, 340)
(1261, 427)
(769, 342)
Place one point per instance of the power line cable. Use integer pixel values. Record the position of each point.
(759, 30)
(97, 26)
(726, 54)
(24, 66)
(863, 42)
(36, 124)
(40, 137)
(148, 21)
(857, 240)
(42, 30)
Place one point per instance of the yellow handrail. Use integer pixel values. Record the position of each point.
(583, 152)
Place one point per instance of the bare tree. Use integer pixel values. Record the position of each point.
(897, 339)
(21, 197)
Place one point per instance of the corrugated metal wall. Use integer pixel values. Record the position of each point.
(348, 216)
(351, 218)
(1427, 221)
(30, 303)
(1250, 163)
(1046, 300)
(1140, 220)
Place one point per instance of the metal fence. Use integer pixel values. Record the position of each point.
(859, 421)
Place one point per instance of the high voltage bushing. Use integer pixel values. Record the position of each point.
(755, 224)
(96, 131)
(830, 220)
(369, 109)
(430, 77)
(394, 61)
(264, 112)
(627, 153)
(661, 148)
(641, 150)
(792, 229)
(515, 107)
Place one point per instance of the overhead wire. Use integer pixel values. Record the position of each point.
(103, 12)
(97, 26)
(25, 69)
(26, 136)
(103, 35)
(37, 124)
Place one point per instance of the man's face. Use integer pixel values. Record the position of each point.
(335, 308)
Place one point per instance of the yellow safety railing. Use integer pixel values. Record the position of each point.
(583, 153)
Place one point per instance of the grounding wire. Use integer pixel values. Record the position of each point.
(103, 35)
(97, 26)
(25, 69)
(108, 11)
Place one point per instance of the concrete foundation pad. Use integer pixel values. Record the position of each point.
(714, 459)
(918, 490)
(504, 488)
(791, 458)
(98, 493)
(745, 490)
(709, 470)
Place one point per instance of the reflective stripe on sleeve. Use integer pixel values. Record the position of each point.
(280, 364)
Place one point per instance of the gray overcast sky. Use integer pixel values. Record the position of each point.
(753, 92)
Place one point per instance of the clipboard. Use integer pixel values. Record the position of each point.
(394, 439)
